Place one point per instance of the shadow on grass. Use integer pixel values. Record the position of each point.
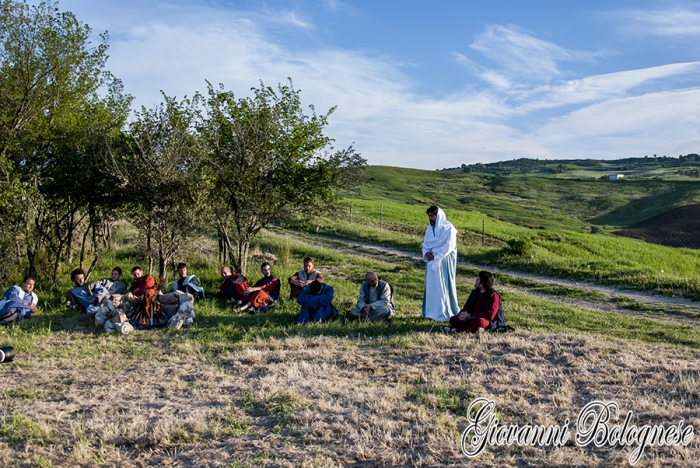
(280, 322)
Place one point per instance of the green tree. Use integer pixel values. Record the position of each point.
(268, 161)
(50, 74)
(160, 166)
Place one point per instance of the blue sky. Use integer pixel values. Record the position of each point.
(434, 84)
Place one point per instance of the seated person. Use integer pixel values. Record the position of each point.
(144, 311)
(86, 296)
(231, 290)
(303, 278)
(481, 311)
(18, 302)
(114, 285)
(316, 300)
(265, 292)
(376, 301)
(189, 284)
(141, 283)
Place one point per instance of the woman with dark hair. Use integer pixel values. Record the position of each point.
(481, 311)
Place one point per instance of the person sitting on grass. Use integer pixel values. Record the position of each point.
(376, 301)
(303, 278)
(189, 284)
(18, 302)
(482, 310)
(316, 301)
(86, 296)
(231, 290)
(141, 283)
(114, 284)
(265, 292)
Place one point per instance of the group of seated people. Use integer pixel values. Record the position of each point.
(307, 288)
(375, 302)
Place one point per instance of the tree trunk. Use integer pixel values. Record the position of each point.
(243, 247)
(57, 261)
(82, 247)
(92, 267)
(19, 252)
(162, 273)
(31, 256)
(221, 246)
(148, 248)
(69, 246)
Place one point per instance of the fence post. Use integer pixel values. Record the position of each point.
(381, 216)
(483, 233)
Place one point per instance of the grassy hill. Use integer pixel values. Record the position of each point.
(532, 201)
(568, 223)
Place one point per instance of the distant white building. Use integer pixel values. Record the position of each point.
(617, 176)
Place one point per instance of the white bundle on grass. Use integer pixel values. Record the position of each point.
(185, 313)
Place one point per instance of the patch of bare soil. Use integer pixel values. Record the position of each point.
(679, 227)
(326, 401)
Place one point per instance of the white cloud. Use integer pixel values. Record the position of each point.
(599, 87)
(290, 17)
(675, 22)
(175, 48)
(660, 123)
(338, 6)
(523, 55)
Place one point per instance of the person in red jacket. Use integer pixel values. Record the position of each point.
(265, 292)
(141, 283)
(482, 311)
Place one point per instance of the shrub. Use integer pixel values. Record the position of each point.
(521, 246)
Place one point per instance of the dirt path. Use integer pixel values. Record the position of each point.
(673, 309)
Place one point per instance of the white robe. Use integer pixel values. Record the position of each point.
(440, 295)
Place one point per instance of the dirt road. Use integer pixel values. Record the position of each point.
(654, 306)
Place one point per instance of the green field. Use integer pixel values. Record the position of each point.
(244, 390)
(532, 201)
(390, 209)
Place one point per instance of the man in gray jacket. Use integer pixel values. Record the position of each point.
(376, 301)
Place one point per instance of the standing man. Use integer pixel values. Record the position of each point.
(440, 256)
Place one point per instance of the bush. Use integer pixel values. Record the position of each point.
(520, 246)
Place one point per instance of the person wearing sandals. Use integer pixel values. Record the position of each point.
(482, 310)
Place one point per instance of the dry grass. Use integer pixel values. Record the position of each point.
(325, 402)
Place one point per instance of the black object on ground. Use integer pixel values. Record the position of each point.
(7, 354)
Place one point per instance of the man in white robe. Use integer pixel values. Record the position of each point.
(440, 255)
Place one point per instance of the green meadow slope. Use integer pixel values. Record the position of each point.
(567, 224)
(534, 201)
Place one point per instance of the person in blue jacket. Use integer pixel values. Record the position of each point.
(18, 302)
(316, 300)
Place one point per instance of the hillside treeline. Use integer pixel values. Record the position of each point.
(74, 159)
(558, 166)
